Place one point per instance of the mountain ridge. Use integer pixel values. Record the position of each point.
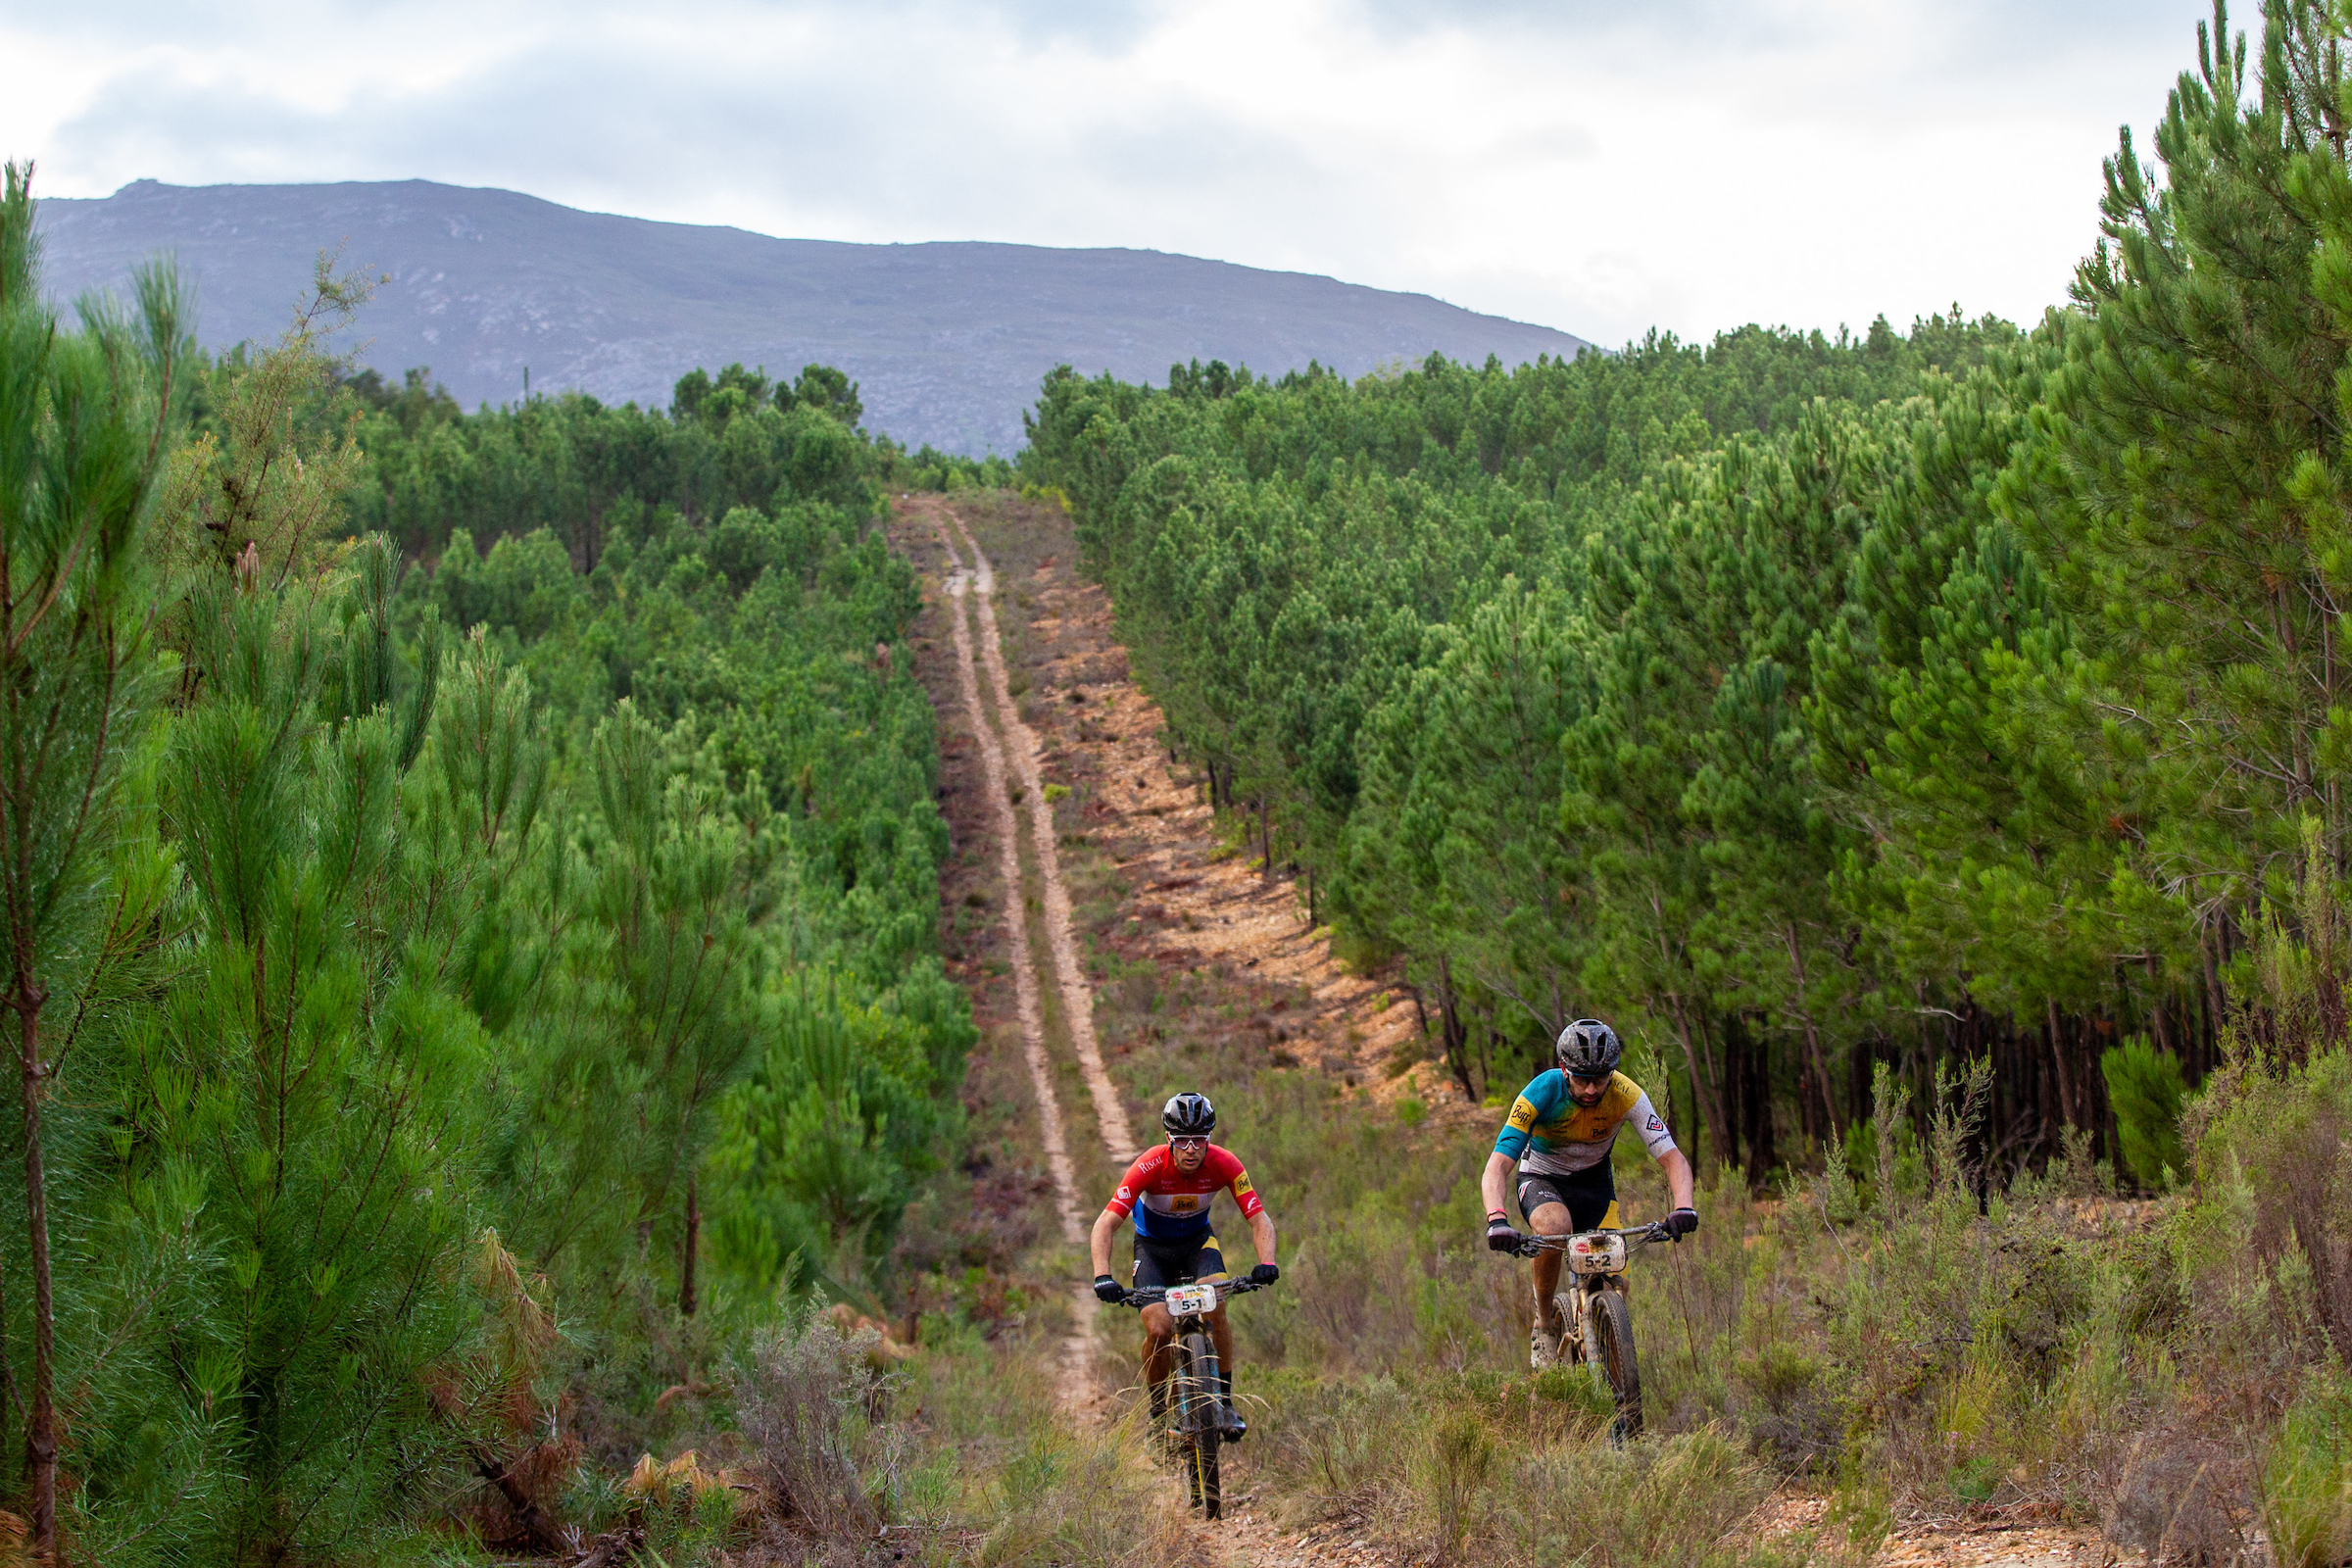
(949, 339)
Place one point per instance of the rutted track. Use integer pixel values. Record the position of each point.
(1017, 912)
(974, 587)
(1077, 995)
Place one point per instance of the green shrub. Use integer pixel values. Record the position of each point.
(1456, 1472)
(1671, 1500)
(2307, 1483)
(2145, 1087)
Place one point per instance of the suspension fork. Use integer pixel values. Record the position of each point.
(1580, 1312)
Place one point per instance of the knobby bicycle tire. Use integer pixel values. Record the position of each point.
(1613, 1327)
(1198, 1422)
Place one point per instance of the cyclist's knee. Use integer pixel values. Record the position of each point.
(1158, 1327)
(1552, 1219)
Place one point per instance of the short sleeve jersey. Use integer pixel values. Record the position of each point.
(1169, 1203)
(1551, 1135)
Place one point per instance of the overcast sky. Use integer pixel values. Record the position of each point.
(1599, 166)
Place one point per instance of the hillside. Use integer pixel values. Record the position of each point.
(948, 340)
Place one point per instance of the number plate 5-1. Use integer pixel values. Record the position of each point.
(1192, 1301)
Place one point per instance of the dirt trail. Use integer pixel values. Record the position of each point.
(1077, 992)
(1996, 1540)
(1017, 912)
(1075, 1390)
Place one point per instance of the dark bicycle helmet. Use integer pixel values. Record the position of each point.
(1189, 1115)
(1588, 1049)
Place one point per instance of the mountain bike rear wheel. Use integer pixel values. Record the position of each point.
(1612, 1325)
(1200, 1423)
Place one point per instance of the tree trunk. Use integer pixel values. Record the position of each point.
(2164, 1033)
(1804, 1016)
(2066, 1079)
(1452, 1033)
(1739, 1097)
(2217, 1004)
(694, 1244)
(1703, 1087)
(40, 1435)
(1761, 1154)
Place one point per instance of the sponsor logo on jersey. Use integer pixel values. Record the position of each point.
(1655, 1125)
(1124, 1195)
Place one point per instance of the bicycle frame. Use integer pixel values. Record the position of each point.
(1189, 1308)
(1602, 1340)
(1196, 1408)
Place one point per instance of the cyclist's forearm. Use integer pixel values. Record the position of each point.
(1261, 1235)
(1677, 1166)
(1495, 1185)
(1106, 1227)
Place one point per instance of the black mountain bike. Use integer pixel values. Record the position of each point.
(1196, 1415)
(1601, 1318)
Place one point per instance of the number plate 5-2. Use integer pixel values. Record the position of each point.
(1596, 1252)
(1192, 1301)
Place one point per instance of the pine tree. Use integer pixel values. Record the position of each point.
(2187, 491)
(84, 437)
(667, 968)
(324, 1075)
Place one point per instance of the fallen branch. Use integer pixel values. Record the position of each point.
(612, 1547)
(537, 1527)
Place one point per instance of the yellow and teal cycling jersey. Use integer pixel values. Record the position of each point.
(1550, 1134)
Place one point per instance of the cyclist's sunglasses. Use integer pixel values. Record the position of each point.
(1175, 1142)
(1581, 1082)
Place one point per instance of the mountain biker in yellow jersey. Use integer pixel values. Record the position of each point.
(1559, 1134)
(1168, 1189)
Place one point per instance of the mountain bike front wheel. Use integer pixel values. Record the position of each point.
(1612, 1325)
(1200, 1423)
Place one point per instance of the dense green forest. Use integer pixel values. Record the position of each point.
(403, 963)
(1812, 703)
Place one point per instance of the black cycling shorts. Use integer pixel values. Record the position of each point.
(1178, 1260)
(1588, 1193)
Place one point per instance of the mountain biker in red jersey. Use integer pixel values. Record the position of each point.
(1559, 1134)
(1168, 1189)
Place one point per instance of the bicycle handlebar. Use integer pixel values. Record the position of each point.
(1637, 1235)
(1151, 1294)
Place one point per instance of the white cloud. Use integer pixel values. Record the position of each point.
(1693, 164)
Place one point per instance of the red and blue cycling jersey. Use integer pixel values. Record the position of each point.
(1170, 1203)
